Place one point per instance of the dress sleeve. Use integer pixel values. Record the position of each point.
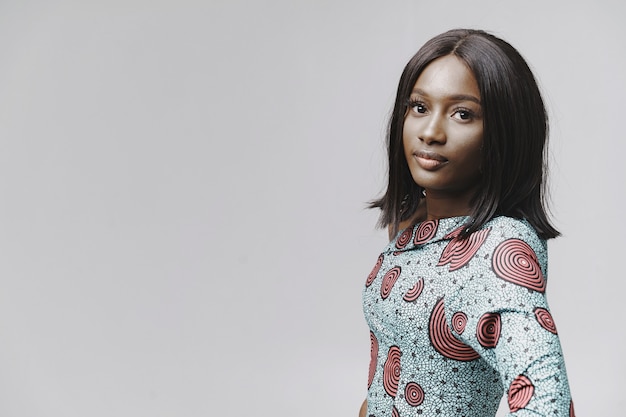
(500, 310)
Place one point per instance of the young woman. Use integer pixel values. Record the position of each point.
(456, 302)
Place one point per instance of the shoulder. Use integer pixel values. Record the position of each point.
(511, 236)
(512, 227)
(508, 269)
(511, 257)
(481, 245)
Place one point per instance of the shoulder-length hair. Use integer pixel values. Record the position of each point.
(515, 134)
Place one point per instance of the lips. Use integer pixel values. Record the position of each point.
(430, 160)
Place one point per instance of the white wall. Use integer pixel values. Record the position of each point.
(182, 185)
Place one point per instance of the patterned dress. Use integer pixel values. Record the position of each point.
(454, 322)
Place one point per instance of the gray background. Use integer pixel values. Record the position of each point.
(182, 185)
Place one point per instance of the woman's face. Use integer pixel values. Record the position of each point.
(443, 128)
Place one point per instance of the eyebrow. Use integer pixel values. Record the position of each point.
(454, 97)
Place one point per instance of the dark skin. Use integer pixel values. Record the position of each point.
(417, 217)
(442, 139)
(439, 206)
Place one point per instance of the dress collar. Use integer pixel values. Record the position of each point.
(428, 231)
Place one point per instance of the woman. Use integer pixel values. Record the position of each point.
(456, 302)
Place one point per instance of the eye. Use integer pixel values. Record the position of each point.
(463, 114)
(417, 107)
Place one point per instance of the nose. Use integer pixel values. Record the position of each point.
(433, 131)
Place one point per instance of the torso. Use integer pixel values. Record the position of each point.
(424, 302)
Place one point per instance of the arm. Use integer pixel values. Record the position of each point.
(363, 409)
(509, 323)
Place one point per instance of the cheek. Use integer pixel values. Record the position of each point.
(474, 153)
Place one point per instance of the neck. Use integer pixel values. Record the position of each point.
(443, 204)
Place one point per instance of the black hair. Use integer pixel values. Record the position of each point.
(515, 134)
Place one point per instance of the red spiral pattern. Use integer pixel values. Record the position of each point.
(443, 340)
(413, 394)
(372, 275)
(455, 233)
(391, 371)
(415, 291)
(394, 412)
(426, 231)
(373, 359)
(520, 393)
(459, 320)
(515, 261)
(389, 280)
(571, 409)
(544, 318)
(404, 238)
(458, 251)
(488, 330)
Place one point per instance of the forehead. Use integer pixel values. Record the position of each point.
(447, 76)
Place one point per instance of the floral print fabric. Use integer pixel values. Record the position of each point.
(454, 323)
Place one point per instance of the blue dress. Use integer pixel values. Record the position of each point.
(456, 322)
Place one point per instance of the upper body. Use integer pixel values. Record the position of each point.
(456, 302)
